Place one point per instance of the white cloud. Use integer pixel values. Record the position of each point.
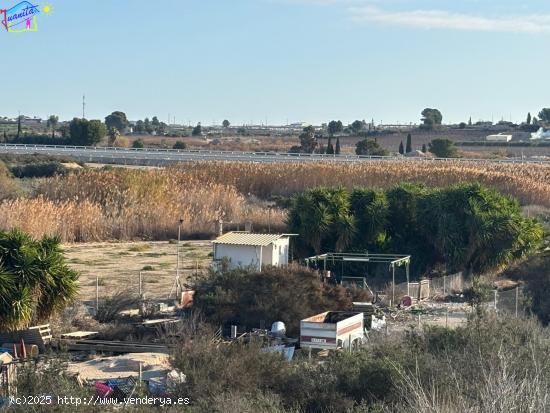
(438, 19)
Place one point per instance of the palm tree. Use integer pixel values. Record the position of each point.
(52, 123)
(35, 282)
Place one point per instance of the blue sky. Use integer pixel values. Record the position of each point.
(295, 60)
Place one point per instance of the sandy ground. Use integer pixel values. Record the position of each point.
(102, 368)
(118, 266)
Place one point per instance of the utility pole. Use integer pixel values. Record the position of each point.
(83, 106)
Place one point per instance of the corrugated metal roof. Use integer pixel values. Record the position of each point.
(247, 238)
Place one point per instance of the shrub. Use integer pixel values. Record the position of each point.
(289, 294)
(180, 145)
(39, 170)
(138, 144)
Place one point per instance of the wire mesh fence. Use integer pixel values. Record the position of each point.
(510, 302)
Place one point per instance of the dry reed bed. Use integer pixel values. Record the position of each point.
(125, 204)
(527, 182)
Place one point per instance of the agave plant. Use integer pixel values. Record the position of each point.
(35, 281)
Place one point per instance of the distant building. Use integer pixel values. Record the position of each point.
(26, 120)
(501, 137)
(246, 249)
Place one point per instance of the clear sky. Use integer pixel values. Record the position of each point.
(295, 60)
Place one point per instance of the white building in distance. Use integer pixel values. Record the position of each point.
(246, 249)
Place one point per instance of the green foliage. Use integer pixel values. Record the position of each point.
(330, 147)
(408, 148)
(117, 120)
(528, 121)
(431, 118)
(424, 149)
(245, 298)
(35, 281)
(180, 145)
(369, 147)
(226, 123)
(308, 143)
(357, 126)
(86, 132)
(197, 130)
(323, 219)
(52, 123)
(544, 115)
(138, 144)
(337, 149)
(443, 148)
(335, 127)
(463, 227)
(401, 149)
(38, 170)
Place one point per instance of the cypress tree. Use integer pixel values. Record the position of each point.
(529, 118)
(330, 148)
(409, 144)
(401, 150)
(424, 148)
(18, 126)
(337, 149)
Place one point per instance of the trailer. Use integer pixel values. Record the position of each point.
(332, 330)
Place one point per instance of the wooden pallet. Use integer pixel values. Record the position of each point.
(102, 346)
(38, 335)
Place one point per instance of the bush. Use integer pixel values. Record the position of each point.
(138, 144)
(290, 294)
(443, 148)
(39, 170)
(180, 145)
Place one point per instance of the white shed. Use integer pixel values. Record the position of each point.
(501, 137)
(245, 249)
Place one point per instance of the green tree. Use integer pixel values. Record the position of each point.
(35, 281)
(357, 126)
(322, 217)
(155, 122)
(138, 144)
(117, 120)
(19, 126)
(337, 148)
(147, 125)
(528, 118)
(369, 148)
(401, 150)
(52, 123)
(335, 127)
(197, 130)
(470, 121)
(140, 126)
(308, 143)
(86, 132)
(180, 145)
(424, 149)
(443, 148)
(431, 118)
(409, 144)
(544, 115)
(330, 147)
(371, 211)
(226, 124)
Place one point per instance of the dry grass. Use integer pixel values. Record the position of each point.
(125, 204)
(527, 182)
(118, 266)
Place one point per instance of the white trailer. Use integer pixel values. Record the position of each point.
(332, 330)
(499, 138)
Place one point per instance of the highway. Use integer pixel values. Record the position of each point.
(161, 157)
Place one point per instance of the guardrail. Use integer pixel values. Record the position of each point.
(273, 156)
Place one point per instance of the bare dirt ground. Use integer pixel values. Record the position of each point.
(118, 266)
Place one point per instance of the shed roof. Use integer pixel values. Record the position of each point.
(248, 238)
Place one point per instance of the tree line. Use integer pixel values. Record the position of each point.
(463, 228)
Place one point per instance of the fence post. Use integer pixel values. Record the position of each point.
(495, 300)
(444, 285)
